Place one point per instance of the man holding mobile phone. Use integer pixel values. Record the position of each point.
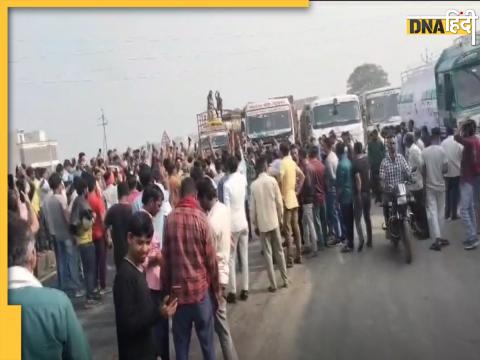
(135, 311)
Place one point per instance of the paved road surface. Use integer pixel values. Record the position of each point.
(349, 306)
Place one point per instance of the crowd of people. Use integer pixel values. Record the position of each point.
(179, 222)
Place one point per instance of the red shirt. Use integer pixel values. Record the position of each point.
(98, 207)
(190, 258)
(470, 165)
(317, 173)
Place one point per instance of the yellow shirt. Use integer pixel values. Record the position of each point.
(288, 179)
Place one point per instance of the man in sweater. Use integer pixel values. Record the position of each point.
(135, 311)
(48, 316)
(266, 215)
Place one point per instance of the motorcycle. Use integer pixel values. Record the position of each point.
(398, 219)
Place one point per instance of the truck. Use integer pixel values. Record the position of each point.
(272, 119)
(457, 78)
(380, 107)
(215, 129)
(417, 100)
(338, 113)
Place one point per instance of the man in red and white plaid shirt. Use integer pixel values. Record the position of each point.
(191, 272)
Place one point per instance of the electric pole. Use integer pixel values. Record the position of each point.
(104, 123)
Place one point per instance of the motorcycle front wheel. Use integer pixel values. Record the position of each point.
(407, 242)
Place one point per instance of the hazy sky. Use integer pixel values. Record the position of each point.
(151, 69)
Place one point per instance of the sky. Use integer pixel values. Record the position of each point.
(150, 70)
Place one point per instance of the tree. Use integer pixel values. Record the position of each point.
(366, 77)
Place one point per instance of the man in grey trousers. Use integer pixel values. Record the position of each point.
(219, 218)
(266, 214)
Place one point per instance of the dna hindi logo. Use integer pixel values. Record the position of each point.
(453, 23)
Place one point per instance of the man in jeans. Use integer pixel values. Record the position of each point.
(318, 183)
(435, 167)
(190, 272)
(81, 221)
(219, 219)
(345, 194)
(333, 218)
(57, 217)
(306, 199)
(290, 177)
(235, 189)
(453, 151)
(469, 170)
(361, 205)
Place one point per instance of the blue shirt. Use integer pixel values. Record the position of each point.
(345, 180)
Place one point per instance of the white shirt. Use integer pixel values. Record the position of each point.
(20, 277)
(415, 160)
(234, 195)
(219, 219)
(266, 205)
(453, 151)
(420, 144)
(434, 159)
(111, 196)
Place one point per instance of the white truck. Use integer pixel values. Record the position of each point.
(338, 113)
(418, 97)
(214, 129)
(381, 107)
(272, 119)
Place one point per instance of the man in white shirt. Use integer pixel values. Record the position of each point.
(415, 160)
(435, 167)
(266, 214)
(235, 189)
(453, 151)
(110, 193)
(219, 219)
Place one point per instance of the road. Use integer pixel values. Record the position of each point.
(368, 305)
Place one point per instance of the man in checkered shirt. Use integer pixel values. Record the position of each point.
(393, 170)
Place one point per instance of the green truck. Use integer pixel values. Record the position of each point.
(457, 78)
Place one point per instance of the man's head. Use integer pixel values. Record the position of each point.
(417, 134)
(284, 148)
(82, 160)
(409, 140)
(340, 149)
(469, 127)
(450, 131)
(302, 155)
(90, 180)
(375, 135)
(139, 235)
(206, 194)
(188, 188)
(81, 186)
(122, 191)
(358, 148)
(145, 175)
(132, 182)
(152, 199)
(295, 153)
(21, 243)
(232, 165)
(55, 182)
(218, 166)
(261, 164)
(391, 143)
(436, 134)
(411, 125)
(313, 152)
(59, 169)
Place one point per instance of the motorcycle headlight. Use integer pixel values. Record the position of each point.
(402, 200)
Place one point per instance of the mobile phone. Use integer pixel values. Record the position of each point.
(175, 292)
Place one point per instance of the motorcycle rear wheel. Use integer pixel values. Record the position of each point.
(407, 242)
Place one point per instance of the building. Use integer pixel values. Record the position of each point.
(32, 149)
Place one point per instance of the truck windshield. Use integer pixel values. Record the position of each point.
(466, 82)
(218, 141)
(381, 108)
(272, 121)
(347, 113)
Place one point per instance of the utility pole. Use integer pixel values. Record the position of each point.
(104, 123)
(427, 59)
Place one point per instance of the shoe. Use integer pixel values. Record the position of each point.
(332, 242)
(444, 242)
(298, 261)
(436, 246)
(471, 245)
(289, 265)
(272, 289)
(369, 244)
(231, 298)
(89, 303)
(360, 246)
(306, 250)
(314, 254)
(455, 218)
(285, 285)
(345, 249)
(77, 294)
(244, 295)
(105, 291)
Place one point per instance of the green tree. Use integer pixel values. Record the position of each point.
(366, 77)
